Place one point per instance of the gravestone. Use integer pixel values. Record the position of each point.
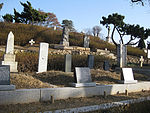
(31, 42)
(9, 56)
(121, 55)
(68, 60)
(86, 41)
(108, 38)
(65, 36)
(43, 57)
(106, 65)
(127, 76)
(82, 77)
(141, 61)
(90, 61)
(148, 53)
(5, 78)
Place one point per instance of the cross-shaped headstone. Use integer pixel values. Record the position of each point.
(31, 42)
(141, 61)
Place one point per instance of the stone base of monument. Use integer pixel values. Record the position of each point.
(91, 84)
(9, 59)
(62, 47)
(7, 87)
(64, 43)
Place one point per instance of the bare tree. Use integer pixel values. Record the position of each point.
(96, 30)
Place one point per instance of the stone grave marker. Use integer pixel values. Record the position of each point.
(43, 57)
(106, 65)
(68, 61)
(148, 53)
(31, 42)
(65, 36)
(121, 55)
(127, 76)
(5, 78)
(86, 41)
(9, 56)
(141, 61)
(90, 61)
(83, 77)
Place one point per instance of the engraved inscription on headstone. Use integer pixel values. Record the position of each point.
(5, 75)
(83, 75)
(43, 57)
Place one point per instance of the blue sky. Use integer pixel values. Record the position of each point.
(86, 13)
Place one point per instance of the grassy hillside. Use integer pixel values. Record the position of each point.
(23, 33)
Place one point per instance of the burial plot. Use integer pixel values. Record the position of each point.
(127, 76)
(9, 56)
(82, 77)
(68, 60)
(5, 78)
(90, 61)
(43, 57)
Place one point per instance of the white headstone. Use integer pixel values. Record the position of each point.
(31, 42)
(148, 53)
(128, 75)
(10, 43)
(9, 56)
(43, 57)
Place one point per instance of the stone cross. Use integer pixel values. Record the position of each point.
(141, 61)
(10, 43)
(31, 42)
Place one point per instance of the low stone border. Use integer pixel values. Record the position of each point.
(98, 107)
(44, 94)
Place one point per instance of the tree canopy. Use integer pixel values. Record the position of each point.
(134, 31)
(68, 23)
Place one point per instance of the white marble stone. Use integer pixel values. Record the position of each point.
(9, 56)
(128, 75)
(43, 57)
(10, 43)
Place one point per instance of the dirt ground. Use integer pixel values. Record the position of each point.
(53, 79)
(68, 103)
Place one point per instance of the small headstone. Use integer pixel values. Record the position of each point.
(9, 56)
(141, 61)
(43, 57)
(68, 60)
(127, 76)
(54, 28)
(108, 38)
(5, 75)
(65, 36)
(31, 42)
(90, 61)
(83, 77)
(5, 78)
(106, 65)
(86, 41)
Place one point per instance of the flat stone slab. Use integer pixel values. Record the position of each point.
(92, 84)
(7, 87)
